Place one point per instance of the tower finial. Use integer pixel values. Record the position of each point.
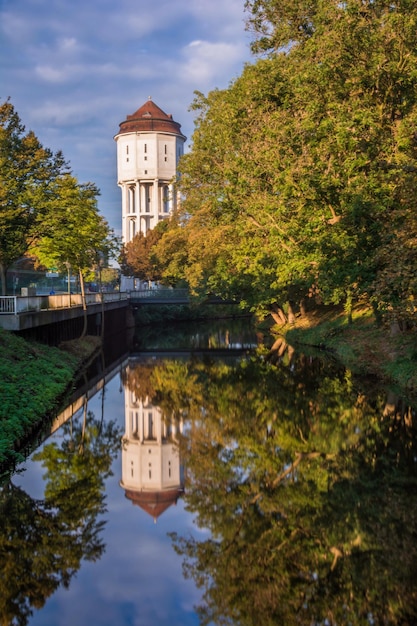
(149, 97)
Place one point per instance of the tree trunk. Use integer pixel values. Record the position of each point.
(84, 303)
(390, 404)
(395, 328)
(348, 306)
(278, 315)
(3, 274)
(291, 314)
(100, 286)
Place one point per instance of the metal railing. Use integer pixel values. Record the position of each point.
(162, 293)
(8, 305)
(13, 305)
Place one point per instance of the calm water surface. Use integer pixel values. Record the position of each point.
(262, 486)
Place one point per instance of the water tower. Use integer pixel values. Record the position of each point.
(149, 146)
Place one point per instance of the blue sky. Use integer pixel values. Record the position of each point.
(74, 69)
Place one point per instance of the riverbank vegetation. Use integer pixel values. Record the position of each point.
(34, 379)
(359, 343)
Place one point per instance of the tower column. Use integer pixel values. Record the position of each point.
(137, 197)
(125, 225)
(155, 201)
(171, 205)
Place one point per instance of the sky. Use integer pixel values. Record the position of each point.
(74, 69)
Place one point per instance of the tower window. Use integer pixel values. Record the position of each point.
(165, 149)
(145, 148)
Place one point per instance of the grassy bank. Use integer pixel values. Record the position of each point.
(362, 346)
(33, 382)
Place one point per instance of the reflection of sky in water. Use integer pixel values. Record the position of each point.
(138, 581)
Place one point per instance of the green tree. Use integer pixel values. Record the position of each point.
(302, 172)
(28, 172)
(77, 234)
(278, 24)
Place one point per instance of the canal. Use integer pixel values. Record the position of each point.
(209, 477)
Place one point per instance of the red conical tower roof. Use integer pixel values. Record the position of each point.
(150, 118)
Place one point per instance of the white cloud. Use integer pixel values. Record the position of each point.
(205, 61)
(53, 112)
(14, 26)
(58, 74)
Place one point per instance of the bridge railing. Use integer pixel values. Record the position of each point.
(8, 305)
(13, 305)
(162, 293)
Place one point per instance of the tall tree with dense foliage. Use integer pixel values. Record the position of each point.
(27, 174)
(77, 234)
(302, 173)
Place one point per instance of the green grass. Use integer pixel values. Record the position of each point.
(33, 380)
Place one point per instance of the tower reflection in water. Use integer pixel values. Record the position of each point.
(152, 475)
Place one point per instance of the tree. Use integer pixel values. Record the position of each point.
(303, 170)
(278, 24)
(28, 172)
(77, 234)
(137, 256)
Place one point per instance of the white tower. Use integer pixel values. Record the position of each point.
(149, 146)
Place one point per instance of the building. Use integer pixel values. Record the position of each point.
(149, 146)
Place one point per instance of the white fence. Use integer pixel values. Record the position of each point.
(13, 305)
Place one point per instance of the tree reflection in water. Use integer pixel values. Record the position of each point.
(42, 542)
(307, 484)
